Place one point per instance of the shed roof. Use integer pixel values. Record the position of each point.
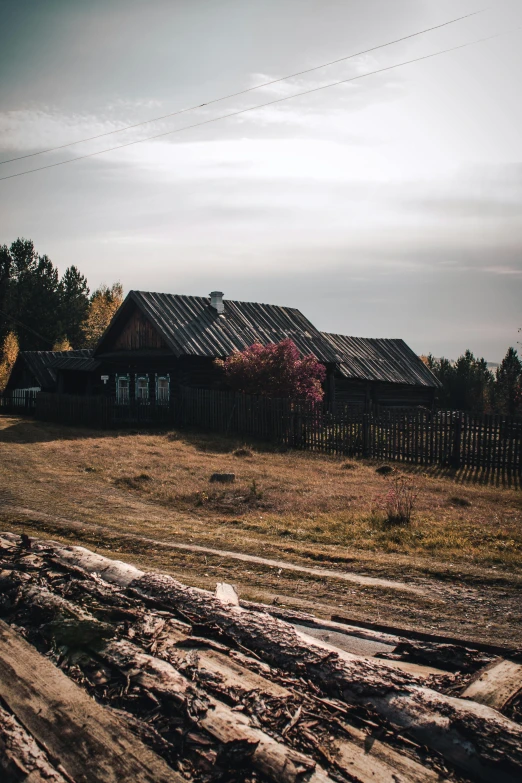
(41, 363)
(190, 326)
(84, 363)
(373, 359)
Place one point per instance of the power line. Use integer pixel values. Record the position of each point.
(254, 108)
(243, 92)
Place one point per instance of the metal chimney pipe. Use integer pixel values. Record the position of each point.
(216, 301)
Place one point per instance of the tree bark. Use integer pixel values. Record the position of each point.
(21, 759)
(242, 742)
(472, 736)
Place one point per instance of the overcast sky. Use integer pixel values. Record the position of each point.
(387, 207)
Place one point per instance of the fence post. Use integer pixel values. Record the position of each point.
(457, 431)
(366, 435)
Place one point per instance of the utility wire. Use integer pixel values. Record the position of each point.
(259, 106)
(243, 92)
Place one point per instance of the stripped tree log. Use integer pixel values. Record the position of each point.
(469, 735)
(93, 746)
(69, 623)
(276, 761)
(21, 759)
(496, 685)
(472, 736)
(356, 756)
(211, 666)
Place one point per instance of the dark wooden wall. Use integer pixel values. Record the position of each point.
(137, 334)
(366, 395)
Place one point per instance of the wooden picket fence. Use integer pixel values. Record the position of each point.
(21, 401)
(416, 436)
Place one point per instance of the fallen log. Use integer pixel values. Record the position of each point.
(241, 742)
(21, 759)
(210, 666)
(496, 685)
(271, 758)
(474, 737)
(470, 735)
(93, 746)
(367, 761)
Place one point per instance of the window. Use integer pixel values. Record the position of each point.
(142, 387)
(122, 388)
(162, 388)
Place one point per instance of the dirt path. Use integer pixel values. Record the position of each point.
(283, 565)
(485, 612)
(49, 493)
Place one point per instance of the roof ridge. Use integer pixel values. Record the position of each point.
(225, 300)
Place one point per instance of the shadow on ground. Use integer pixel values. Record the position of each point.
(30, 431)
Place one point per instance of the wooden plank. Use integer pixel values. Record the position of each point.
(92, 745)
(496, 685)
(21, 760)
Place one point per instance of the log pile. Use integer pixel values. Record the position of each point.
(219, 691)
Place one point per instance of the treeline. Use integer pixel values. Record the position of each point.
(468, 384)
(41, 311)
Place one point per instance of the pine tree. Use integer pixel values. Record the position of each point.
(31, 299)
(74, 305)
(508, 383)
(467, 384)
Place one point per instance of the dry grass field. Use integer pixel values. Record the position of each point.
(299, 507)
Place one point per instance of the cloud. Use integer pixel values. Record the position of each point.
(29, 129)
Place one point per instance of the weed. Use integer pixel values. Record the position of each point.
(254, 491)
(133, 482)
(349, 466)
(243, 451)
(399, 502)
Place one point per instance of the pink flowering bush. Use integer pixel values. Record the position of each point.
(398, 503)
(275, 370)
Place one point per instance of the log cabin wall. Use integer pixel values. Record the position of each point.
(351, 393)
(137, 334)
(366, 395)
(187, 371)
(199, 371)
(397, 395)
(132, 366)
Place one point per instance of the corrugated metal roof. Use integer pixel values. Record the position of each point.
(40, 363)
(372, 359)
(190, 326)
(77, 363)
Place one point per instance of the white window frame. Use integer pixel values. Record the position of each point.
(141, 377)
(163, 377)
(122, 399)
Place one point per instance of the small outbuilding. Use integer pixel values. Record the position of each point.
(41, 371)
(385, 373)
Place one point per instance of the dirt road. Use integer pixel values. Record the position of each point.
(43, 493)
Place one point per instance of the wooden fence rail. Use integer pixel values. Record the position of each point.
(21, 401)
(416, 436)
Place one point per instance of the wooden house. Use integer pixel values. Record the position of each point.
(41, 370)
(158, 342)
